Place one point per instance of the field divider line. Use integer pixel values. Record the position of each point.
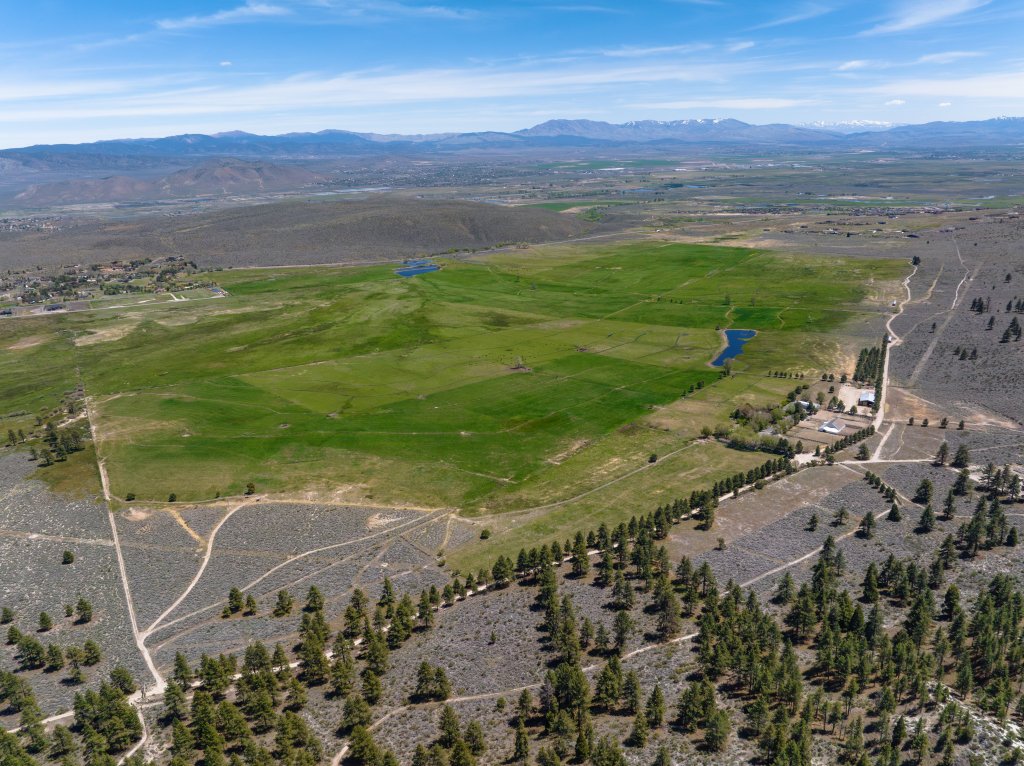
(559, 503)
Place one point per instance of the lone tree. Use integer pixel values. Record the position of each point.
(284, 604)
(84, 611)
(867, 526)
(942, 455)
(924, 492)
(68, 558)
(962, 459)
(927, 521)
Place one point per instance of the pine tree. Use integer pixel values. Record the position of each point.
(962, 459)
(356, 713)
(450, 729)
(716, 731)
(84, 611)
(521, 752)
(655, 708)
(867, 526)
(475, 739)
(638, 736)
(927, 522)
(284, 604)
(315, 599)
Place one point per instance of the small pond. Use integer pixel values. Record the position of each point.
(735, 340)
(413, 270)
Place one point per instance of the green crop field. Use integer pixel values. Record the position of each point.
(500, 384)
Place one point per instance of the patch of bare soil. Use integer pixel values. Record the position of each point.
(565, 454)
(29, 342)
(107, 334)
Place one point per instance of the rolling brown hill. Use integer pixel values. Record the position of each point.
(295, 232)
(223, 176)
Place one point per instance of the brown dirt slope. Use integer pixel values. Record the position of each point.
(295, 232)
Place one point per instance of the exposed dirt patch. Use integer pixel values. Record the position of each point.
(29, 342)
(107, 334)
(565, 454)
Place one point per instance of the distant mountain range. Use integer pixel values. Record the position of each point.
(210, 177)
(1005, 132)
(239, 163)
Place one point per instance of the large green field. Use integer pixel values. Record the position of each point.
(499, 384)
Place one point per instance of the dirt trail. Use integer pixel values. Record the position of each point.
(923, 361)
(199, 574)
(155, 628)
(896, 341)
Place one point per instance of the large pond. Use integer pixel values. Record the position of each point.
(735, 340)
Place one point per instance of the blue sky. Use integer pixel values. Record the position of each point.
(79, 71)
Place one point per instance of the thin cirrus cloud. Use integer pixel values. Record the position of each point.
(242, 13)
(631, 51)
(949, 57)
(584, 9)
(351, 89)
(315, 11)
(806, 13)
(1003, 86)
(728, 103)
(923, 13)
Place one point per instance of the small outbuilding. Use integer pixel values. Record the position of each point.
(834, 427)
(866, 398)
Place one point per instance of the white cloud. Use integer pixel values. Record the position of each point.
(944, 104)
(922, 13)
(630, 51)
(248, 12)
(808, 12)
(311, 92)
(994, 85)
(380, 10)
(585, 9)
(848, 66)
(948, 57)
(226, 63)
(895, 102)
(740, 46)
(728, 103)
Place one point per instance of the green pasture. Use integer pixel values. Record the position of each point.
(496, 384)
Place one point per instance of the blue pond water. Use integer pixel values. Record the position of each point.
(735, 340)
(412, 271)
